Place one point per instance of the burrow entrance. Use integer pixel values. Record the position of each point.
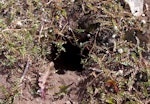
(68, 60)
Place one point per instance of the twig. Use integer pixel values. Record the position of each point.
(40, 33)
(49, 2)
(25, 70)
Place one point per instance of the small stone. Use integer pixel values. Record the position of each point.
(143, 15)
(143, 21)
(19, 24)
(88, 35)
(116, 28)
(120, 72)
(120, 50)
(114, 35)
(72, 1)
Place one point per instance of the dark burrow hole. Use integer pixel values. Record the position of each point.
(68, 60)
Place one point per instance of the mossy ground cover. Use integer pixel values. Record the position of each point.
(99, 40)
